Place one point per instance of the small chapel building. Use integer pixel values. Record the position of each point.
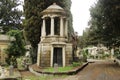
(54, 47)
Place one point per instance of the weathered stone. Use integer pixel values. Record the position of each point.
(54, 48)
(4, 42)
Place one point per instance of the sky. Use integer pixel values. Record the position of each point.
(81, 14)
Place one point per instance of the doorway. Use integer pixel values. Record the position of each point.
(57, 57)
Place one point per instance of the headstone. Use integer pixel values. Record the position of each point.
(2, 73)
(112, 52)
(11, 70)
(55, 67)
(27, 54)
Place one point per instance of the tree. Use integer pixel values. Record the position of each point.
(33, 21)
(16, 47)
(104, 23)
(10, 16)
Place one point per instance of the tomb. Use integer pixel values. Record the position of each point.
(4, 43)
(54, 47)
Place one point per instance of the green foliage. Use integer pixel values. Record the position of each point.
(19, 63)
(117, 53)
(104, 23)
(23, 62)
(63, 69)
(59, 69)
(75, 64)
(10, 16)
(85, 54)
(106, 55)
(16, 47)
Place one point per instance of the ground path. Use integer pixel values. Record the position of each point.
(100, 70)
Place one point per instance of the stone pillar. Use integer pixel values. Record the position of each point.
(63, 56)
(38, 56)
(61, 27)
(112, 53)
(43, 29)
(51, 64)
(52, 26)
(11, 70)
(66, 28)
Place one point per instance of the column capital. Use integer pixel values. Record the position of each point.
(52, 17)
(63, 17)
(43, 17)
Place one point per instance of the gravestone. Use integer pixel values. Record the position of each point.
(55, 67)
(2, 73)
(11, 70)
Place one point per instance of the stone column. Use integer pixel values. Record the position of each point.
(11, 70)
(51, 64)
(66, 28)
(38, 56)
(61, 27)
(63, 56)
(43, 29)
(112, 53)
(52, 26)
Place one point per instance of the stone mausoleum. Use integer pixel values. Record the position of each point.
(54, 47)
(4, 43)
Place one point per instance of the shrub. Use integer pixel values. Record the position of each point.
(75, 64)
(16, 47)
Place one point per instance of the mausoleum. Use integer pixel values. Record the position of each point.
(54, 47)
(4, 43)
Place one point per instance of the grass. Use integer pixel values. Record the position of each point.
(58, 69)
(63, 69)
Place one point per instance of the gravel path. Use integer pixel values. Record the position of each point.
(103, 70)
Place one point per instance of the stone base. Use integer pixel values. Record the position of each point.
(46, 53)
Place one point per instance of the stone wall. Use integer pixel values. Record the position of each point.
(3, 46)
(68, 55)
(45, 56)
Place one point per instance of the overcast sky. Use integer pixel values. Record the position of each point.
(81, 14)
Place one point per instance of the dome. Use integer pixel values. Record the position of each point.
(54, 9)
(55, 6)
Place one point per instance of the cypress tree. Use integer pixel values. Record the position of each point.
(33, 21)
(104, 23)
(10, 16)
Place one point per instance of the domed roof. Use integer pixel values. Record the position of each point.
(55, 6)
(54, 9)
